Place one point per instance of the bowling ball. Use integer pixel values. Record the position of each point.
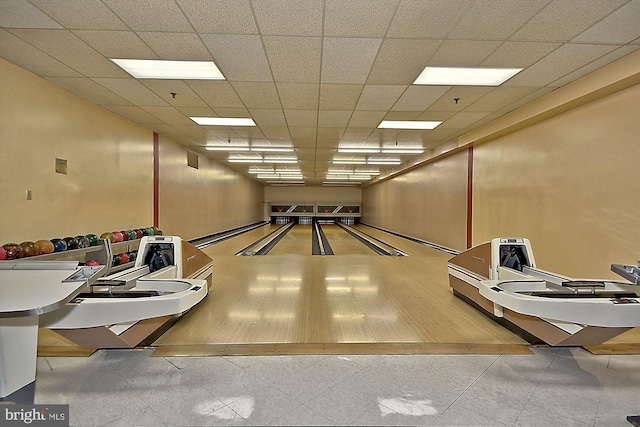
(91, 262)
(117, 235)
(3, 253)
(125, 258)
(108, 236)
(46, 247)
(132, 235)
(150, 231)
(59, 245)
(125, 235)
(93, 239)
(145, 231)
(132, 255)
(83, 242)
(139, 233)
(13, 250)
(72, 243)
(157, 231)
(117, 260)
(30, 249)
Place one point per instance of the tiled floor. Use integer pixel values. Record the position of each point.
(553, 387)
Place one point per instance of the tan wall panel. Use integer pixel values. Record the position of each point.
(203, 201)
(109, 184)
(312, 194)
(570, 184)
(429, 203)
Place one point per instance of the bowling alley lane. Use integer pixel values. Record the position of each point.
(236, 244)
(344, 243)
(296, 241)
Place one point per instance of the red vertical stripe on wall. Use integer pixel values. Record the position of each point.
(156, 177)
(469, 197)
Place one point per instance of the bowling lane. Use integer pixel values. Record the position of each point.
(235, 244)
(296, 241)
(344, 243)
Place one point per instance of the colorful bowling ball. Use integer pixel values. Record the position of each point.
(46, 247)
(72, 243)
(91, 262)
(108, 236)
(59, 245)
(93, 239)
(117, 235)
(150, 231)
(13, 250)
(157, 231)
(139, 233)
(83, 242)
(3, 253)
(132, 235)
(125, 258)
(145, 231)
(132, 255)
(125, 235)
(30, 249)
(117, 260)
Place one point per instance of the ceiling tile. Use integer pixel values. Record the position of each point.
(308, 118)
(134, 113)
(289, 17)
(176, 46)
(402, 115)
(303, 133)
(594, 65)
(268, 117)
(116, 44)
(407, 59)
(89, 89)
(419, 98)
(131, 90)
(220, 16)
(257, 94)
(231, 112)
(562, 20)
(66, 47)
(499, 97)
(84, 14)
(416, 19)
(216, 93)
(275, 132)
(462, 120)
(332, 119)
(159, 15)
(494, 20)
(298, 95)
(330, 133)
(358, 18)
(559, 63)
(196, 111)
(22, 14)
(519, 54)
(184, 95)
(366, 119)
(466, 95)
(463, 53)
(168, 115)
(304, 52)
(239, 57)
(379, 97)
(305, 142)
(622, 26)
(30, 58)
(348, 60)
(339, 96)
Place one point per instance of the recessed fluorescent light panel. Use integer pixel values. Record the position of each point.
(223, 121)
(449, 76)
(161, 69)
(407, 124)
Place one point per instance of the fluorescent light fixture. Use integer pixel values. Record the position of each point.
(258, 170)
(244, 160)
(268, 176)
(280, 160)
(286, 182)
(451, 76)
(402, 151)
(349, 162)
(358, 150)
(273, 149)
(407, 124)
(161, 69)
(288, 172)
(383, 162)
(367, 172)
(227, 148)
(223, 121)
(339, 184)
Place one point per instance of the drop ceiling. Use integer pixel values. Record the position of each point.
(315, 75)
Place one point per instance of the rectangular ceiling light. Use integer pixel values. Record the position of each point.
(358, 150)
(280, 160)
(383, 162)
(273, 149)
(402, 151)
(407, 124)
(223, 121)
(161, 69)
(451, 76)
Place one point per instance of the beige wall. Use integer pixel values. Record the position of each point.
(305, 194)
(429, 203)
(570, 184)
(198, 202)
(109, 184)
